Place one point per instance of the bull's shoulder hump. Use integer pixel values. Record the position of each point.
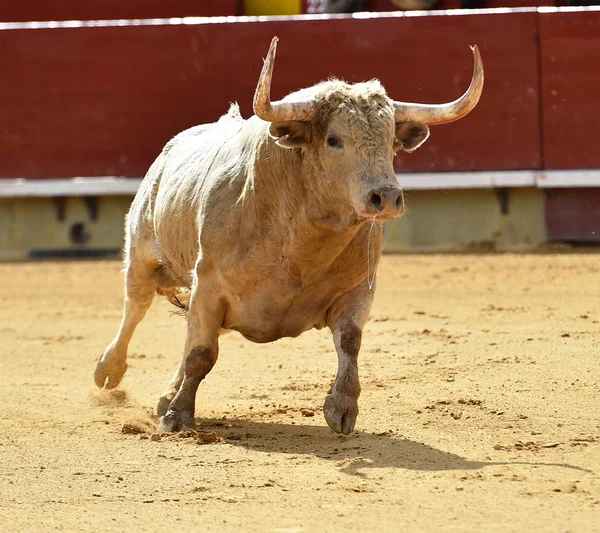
(226, 126)
(187, 135)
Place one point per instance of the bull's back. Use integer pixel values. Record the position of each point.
(195, 165)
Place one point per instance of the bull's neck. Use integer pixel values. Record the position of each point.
(287, 201)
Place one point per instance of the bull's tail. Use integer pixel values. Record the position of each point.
(178, 297)
(169, 286)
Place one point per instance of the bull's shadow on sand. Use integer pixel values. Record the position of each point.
(354, 452)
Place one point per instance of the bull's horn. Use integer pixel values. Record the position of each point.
(280, 111)
(443, 113)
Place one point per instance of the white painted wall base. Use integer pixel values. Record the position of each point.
(118, 186)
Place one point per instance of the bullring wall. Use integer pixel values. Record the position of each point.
(27, 10)
(102, 99)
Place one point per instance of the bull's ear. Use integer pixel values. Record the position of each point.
(291, 134)
(410, 135)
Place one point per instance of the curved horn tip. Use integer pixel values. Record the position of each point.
(475, 50)
(273, 46)
(271, 53)
(278, 111)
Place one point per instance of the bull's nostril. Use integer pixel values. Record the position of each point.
(376, 201)
(399, 201)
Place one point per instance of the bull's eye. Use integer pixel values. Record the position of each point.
(333, 141)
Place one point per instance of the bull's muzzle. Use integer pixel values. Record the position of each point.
(385, 202)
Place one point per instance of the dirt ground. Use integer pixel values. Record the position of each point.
(480, 408)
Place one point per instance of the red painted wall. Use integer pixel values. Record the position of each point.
(573, 215)
(103, 101)
(41, 10)
(27, 10)
(570, 90)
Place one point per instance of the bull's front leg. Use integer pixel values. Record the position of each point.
(341, 404)
(346, 321)
(205, 318)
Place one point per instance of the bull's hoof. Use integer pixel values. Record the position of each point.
(340, 413)
(108, 373)
(175, 421)
(163, 405)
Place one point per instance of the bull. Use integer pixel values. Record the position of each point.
(272, 226)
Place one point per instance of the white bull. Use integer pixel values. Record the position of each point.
(273, 225)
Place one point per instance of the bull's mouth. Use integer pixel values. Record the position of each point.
(380, 217)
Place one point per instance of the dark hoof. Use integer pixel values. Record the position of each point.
(340, 413)
(174, 421)
(163, 405)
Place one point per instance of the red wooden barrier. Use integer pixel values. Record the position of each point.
(573, 215)
(40, 10)
(28, 10)
(570, 91)
(103, 101)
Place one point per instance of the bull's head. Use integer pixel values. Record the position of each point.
(350, 134)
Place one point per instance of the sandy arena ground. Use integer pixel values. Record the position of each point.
(480, 409)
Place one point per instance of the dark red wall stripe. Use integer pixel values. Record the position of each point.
(103, 101)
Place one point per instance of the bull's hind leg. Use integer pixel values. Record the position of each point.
(201, 348)
(140, 288)
(169, 286)
(172, 388)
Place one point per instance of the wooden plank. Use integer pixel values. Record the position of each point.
(29, 10)
(114, 186)
(105, 186)
(103, 101)
(573, 215)
(423, 181)
(570, 89)
(552, 179)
